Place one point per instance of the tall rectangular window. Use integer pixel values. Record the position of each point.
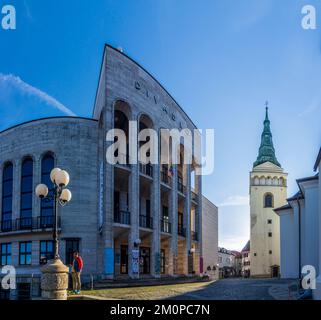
(5, 254)
(46, 251)
(7, 187)
(47, 205)
(26, 194)
(25, 253)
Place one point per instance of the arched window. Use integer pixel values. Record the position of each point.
(268, 200)
(7, 186)
(26, 193)
(47, 205)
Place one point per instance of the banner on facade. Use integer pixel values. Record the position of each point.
(135, 261)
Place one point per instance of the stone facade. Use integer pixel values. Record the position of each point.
(210, 237)
(113, 206)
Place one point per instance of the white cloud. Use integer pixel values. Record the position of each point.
(32, 91)
(314, 106)
(235, 201)
(234, 243)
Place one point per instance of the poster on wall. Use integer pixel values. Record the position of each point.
(135, 261)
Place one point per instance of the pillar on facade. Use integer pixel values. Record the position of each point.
(173, 248)
(36, 180)
(198, 221)
(155, 196)
(108, 202)
(16, 189)
(134, 200)
(187, 220)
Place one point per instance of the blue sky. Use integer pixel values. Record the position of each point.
(220, 59)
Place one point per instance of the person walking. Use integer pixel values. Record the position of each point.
(77, 266)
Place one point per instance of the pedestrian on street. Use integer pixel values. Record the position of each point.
(77, 266)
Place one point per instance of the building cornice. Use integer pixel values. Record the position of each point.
(45, 119)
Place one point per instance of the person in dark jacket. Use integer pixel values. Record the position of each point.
(77, 266)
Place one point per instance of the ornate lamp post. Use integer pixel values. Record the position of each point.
(54, 280)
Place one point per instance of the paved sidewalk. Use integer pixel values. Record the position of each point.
(225, 289)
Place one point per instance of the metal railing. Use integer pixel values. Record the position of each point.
(123, 160)
(145, 222)
(181, 230)
(146, 169)
(166, 226)
(194, 196)
(180, 187)
(30, 223)
(122, 217)
(166, 178)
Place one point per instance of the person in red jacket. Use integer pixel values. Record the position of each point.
(77, 266)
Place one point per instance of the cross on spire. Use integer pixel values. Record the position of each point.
(266, 110)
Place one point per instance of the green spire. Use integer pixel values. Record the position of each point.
(266, 151)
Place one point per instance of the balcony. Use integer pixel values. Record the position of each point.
(194, 236)
(146, 169)
(180, 186)
(123, 160)
(122, 217)
(181, 231)
(28, 224)
(145, 222)
(166, 226)
(194, 196)
(165, 178)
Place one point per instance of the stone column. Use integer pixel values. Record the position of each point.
(36, 202)
(16, 189)
(156, 209)
(198, 220)
(134, 200)
(108, 219)
(187, 216)
(172, 259)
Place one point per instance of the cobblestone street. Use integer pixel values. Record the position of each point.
(244, 289)
(226, 289)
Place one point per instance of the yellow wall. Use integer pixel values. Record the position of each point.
(269, 181)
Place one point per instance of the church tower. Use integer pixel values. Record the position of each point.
(268, 190)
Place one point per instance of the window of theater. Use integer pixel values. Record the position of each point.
(7, 192)
(47, 205)
(26, 193)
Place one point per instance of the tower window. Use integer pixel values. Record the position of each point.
(268, 200)
(270, 234)
(270, 252)
(269, 221)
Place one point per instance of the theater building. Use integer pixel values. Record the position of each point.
(117, 211)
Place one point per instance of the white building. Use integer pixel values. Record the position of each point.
(300, 229)
(226, 262)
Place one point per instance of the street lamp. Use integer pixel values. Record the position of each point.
(54, 280)
(60, 179)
